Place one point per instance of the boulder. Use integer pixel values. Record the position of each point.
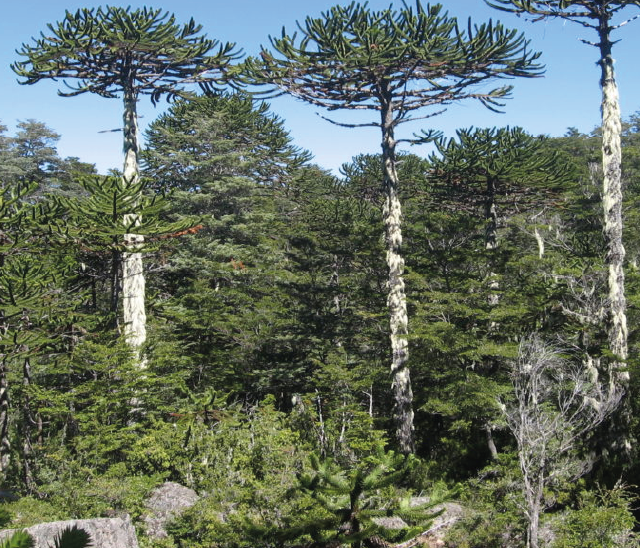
(105, 532)
(434, 536)
(165, 503)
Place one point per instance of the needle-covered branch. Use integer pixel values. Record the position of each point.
(109, 50)
(574, 10)
(352, 57)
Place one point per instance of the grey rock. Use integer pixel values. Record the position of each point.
(105, 532)
(390, 522)
(452, 513)
(165, 503)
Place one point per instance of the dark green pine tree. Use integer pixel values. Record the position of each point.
(231, 163)
(119, 52)
(219, 135)
(93, 222)
(484, 167)
(33, 316)
(496, 183)
(393, 64)
(30, 156)
(335, 257)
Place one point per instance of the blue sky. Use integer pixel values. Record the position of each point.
(568, 95)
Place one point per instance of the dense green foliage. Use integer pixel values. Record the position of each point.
(266, 383)
(279, 294)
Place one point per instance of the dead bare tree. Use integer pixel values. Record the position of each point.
(556, 404)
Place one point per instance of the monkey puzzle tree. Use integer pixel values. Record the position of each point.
(483, 164)
(496, 173)
(598, 15)
(393, 63)
(114, 52)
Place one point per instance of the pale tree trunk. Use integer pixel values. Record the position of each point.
(28, 423)
(612, 204)
(396, 299)
(133, 283)
(534, 524)
(491, 244)
(490, 216)
(491, 444)
(491, 239)
(5, 441)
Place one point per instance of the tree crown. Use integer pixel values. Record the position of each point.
(503, 154)
(112, 49)
(580, 11)
(355, 58)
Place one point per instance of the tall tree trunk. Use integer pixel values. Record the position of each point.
(493, 299)
(396, 299)
(612, 203)
(133, 283)
(28, 422)
(491, 240)
(5, 442)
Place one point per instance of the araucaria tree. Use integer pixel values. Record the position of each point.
(598, 15)
(119, 52)
(393, 63)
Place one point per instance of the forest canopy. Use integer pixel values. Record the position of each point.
(326, 359)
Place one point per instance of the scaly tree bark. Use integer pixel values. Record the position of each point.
(393, 63)
(112, 51)
(598, 15)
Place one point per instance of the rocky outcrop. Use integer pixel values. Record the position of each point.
(165, 503)
(104, 532)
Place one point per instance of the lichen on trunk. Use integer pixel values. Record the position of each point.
(133, 283)
(612, 205)
(396, 298)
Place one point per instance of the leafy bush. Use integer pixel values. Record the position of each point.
(603, 519)
(28, 511)
(495, 516)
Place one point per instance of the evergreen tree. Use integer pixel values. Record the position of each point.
(219, 135)
(232, 163)
(505, 163)
(30, 156)
(93, 221)
(116, 51)
(354, 505)
(393, 63)
(32, 313)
